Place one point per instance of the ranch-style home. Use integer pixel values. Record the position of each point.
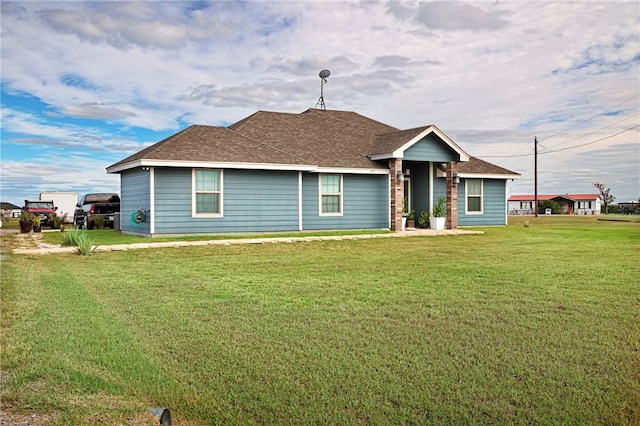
(317, 170)
(569, 203)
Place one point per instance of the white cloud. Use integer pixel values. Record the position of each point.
(492, 75)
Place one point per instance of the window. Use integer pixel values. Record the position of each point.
(474, 196)
(584, 204)
(207, 197)
(526, 205)
(330, 194)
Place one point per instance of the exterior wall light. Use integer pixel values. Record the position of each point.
(400, 177)
(455, 178)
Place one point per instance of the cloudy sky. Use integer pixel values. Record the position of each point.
(85, 84)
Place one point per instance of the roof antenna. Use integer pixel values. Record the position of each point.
(324, 74)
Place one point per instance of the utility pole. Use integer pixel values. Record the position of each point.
(535, 175)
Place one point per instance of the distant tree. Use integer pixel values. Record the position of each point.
(605, 195)
(549, 204)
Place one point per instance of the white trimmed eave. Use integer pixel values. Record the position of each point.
(399, 153)
(244, 166)
(441, 174)
(351, 171)
(210, 165)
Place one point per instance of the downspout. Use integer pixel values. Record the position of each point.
(152, 201)
(299, 200)
(431, 178)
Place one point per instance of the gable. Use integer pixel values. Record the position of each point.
(431, 148)
(396, 145)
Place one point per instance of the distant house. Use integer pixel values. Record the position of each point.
(8, 210)
(317, 170)
(570, 203)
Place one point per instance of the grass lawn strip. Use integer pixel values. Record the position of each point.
(519, 325)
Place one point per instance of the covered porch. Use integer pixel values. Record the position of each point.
(423, 167)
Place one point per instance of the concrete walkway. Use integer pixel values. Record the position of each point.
(43, 248)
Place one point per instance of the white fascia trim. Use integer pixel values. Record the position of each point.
(486, 176)
(441, 174)
(399, 153)
(351, 171)
(211, 165)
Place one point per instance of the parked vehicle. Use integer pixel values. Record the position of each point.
(97, 209)
(44, 210)
(65, 203)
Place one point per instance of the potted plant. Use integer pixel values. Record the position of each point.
(411, 219)
(438, 214)
(26, 222)
(58, 222)
(405, 214)
(37, 224)
(423, 220)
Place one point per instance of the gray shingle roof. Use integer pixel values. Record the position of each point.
(323, 138)
(213, 144)
(389, 142)
(478, 166)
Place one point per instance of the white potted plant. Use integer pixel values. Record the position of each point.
(439, 214)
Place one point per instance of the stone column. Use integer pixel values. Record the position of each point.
(452, 196)
(397, 194)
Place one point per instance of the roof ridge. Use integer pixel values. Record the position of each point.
(332, 117)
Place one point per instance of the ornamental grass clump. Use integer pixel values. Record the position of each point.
(80, 239)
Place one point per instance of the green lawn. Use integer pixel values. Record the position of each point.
(532, 324)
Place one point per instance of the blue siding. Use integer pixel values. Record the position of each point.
(253, 201)
(494, 204)
(431, 148)
(365, 203)
(134, 193)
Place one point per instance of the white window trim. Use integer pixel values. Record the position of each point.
(320, 194)
(193, 195)
(466, 198)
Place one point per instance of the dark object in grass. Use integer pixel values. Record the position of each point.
(162, 414)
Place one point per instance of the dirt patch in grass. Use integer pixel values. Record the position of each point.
(8, 418)
(12, 239)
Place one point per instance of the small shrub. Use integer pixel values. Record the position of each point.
(526, 224)
(98, 221)
(423, 220)
(549, 204)
(58, 220)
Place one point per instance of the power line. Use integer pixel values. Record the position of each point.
(591, 118)
(590, 143)
(516, 155)
(562, 149)
(602, 128)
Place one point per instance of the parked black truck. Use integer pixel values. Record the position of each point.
(97, 209)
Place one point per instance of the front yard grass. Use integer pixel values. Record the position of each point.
(520, 325)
